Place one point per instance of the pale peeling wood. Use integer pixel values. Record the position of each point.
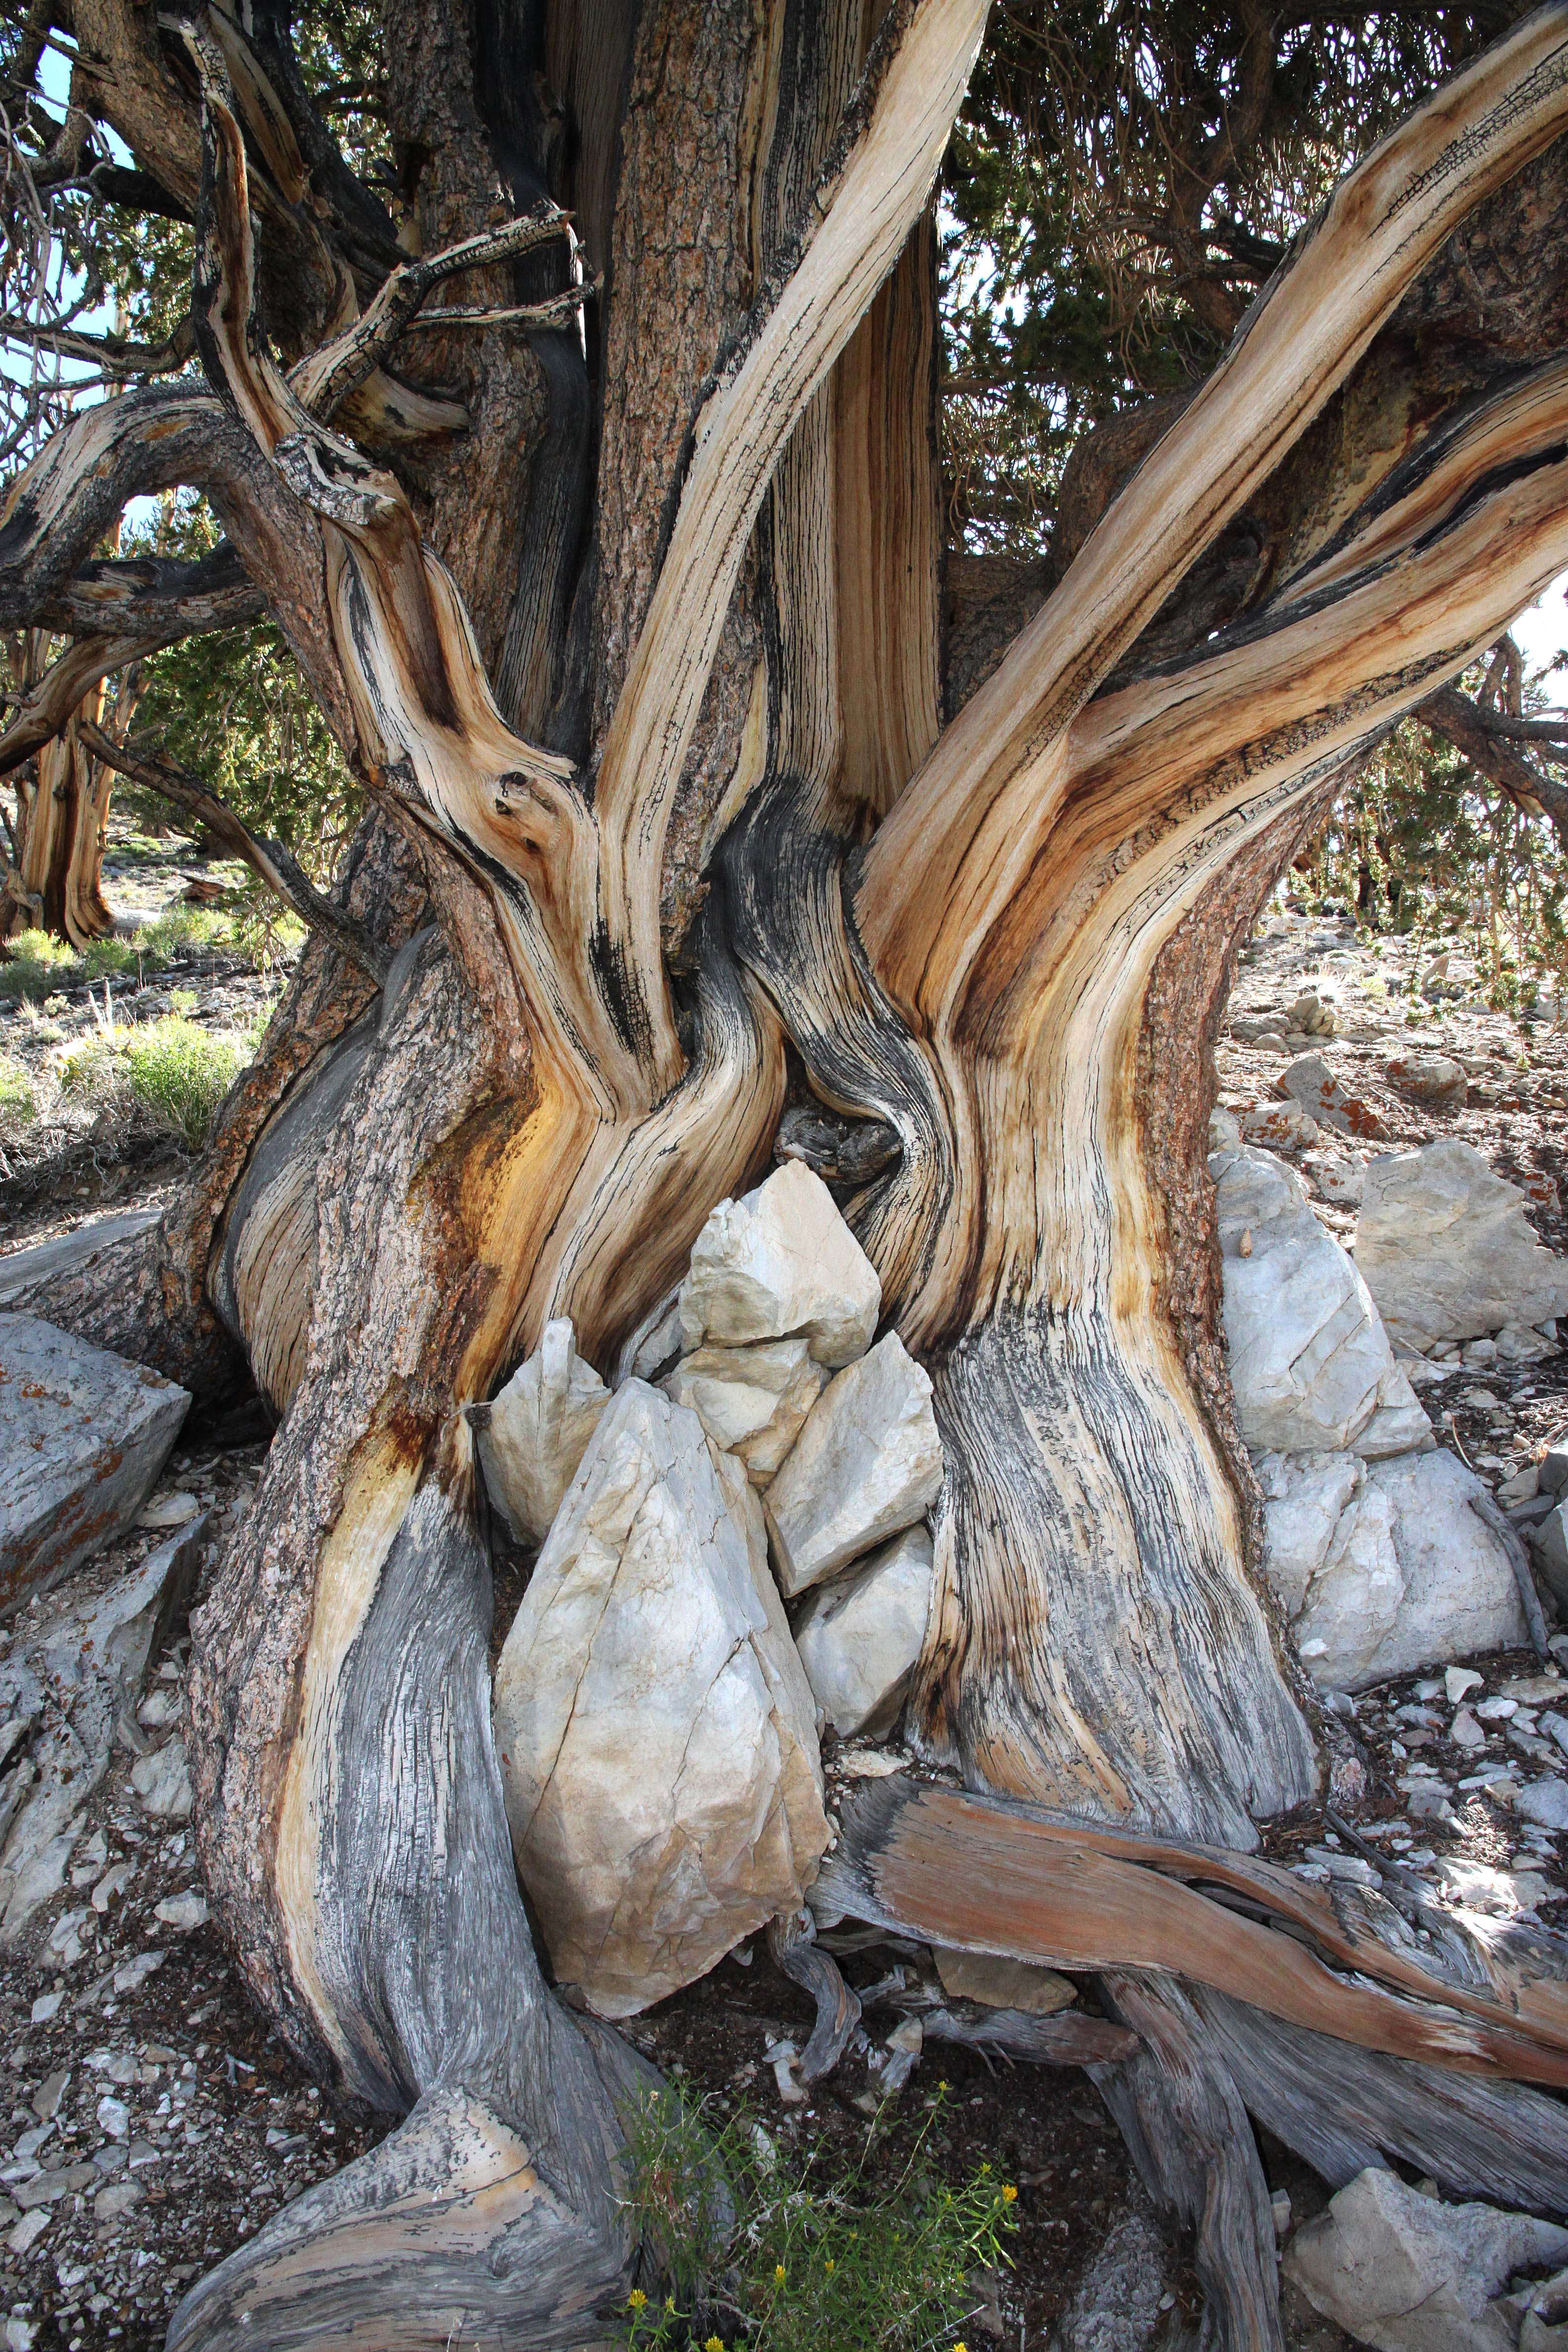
(870, 196)
(1297, 345)
(1343, 2109)
(1099, 1475)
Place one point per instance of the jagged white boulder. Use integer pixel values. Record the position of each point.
(778, 1261)
(534, 1434)
(83, 1434)
(866, 1464)
(860, 1636)
(1382, 1568)
(751, 1400)
(656, 1732)
(1445, 1247)
(1311, 1364)
(1408, 2273)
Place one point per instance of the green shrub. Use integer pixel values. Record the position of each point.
(102, 957)
(179, 1072)
(17, 1105)
(764, 2250)
(36, 966)
(167, 935)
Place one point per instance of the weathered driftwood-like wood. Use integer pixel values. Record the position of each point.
(62, 809)
(989, 1876)
(706, 819)
(1185, 2125)
(1342, 2109)
(1069, 2038)
(791, 1947)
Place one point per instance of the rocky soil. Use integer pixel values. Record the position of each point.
(72, 1151)
(152, 2123)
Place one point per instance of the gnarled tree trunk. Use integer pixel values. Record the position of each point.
(635, 645)
(54, 881)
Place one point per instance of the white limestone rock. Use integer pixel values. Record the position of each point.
(656, 1732)
(866, 1464)
(1309, 1360)
(1407, 2274)
(1444, 1245)
(1283, 1125)
(537, 1431)
(163, 1782)
(1550, 1543)
(1310, 1082)
(83, 1435)
(860, 1636)
(778, 1261)
(1338, 1178)
(751, 1400)
(1382, 1567)
(1433, 1079)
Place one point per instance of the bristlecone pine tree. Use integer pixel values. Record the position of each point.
(615, 560)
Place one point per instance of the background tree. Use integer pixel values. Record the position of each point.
(575, 429)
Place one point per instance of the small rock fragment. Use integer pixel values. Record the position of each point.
(537, 1429)
(163, 1782)
(183, 1911)
(1406, 2272)
(751, 1400)
(168, 1510)
(778, 1261)
(1279, 1126)
(1311, 1083)
(83, 1434)
(1435, 1079)
(998, 1983)
(860, 1636)
(1544, 1800)
(867, 1464)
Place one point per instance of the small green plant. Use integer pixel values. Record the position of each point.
(179, 1072)
(36, 965)
(168, 935)
(17, 1105)
(763, 2250)
(102, 958)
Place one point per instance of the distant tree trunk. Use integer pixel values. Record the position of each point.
(54, 880)
(637, 647)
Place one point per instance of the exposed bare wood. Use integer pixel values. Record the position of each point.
(791, 1947)
(989, 1876)
(661, 796)
(871, 193)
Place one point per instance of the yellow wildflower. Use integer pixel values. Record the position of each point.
(637, 2299)
(714, 2344)
(961, 2347)
(1009, 2195)
(778, 2274)
(830, 2263)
